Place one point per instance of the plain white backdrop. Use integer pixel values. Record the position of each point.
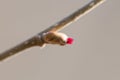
(95, 54)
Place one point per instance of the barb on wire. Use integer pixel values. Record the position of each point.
(51, 34)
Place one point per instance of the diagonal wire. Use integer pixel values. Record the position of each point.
(37, 40)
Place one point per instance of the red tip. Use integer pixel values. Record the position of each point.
(69, 40)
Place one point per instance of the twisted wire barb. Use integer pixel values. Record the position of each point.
(37, 39)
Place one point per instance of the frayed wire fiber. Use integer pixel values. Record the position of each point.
(51, 34)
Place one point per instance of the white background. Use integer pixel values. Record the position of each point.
(95, 54)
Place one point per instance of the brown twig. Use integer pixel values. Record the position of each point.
(37, 39)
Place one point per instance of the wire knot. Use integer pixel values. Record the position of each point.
(56, 38)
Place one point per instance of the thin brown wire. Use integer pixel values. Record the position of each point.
(37, 40)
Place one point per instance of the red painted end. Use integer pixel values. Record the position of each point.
(70, 40)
